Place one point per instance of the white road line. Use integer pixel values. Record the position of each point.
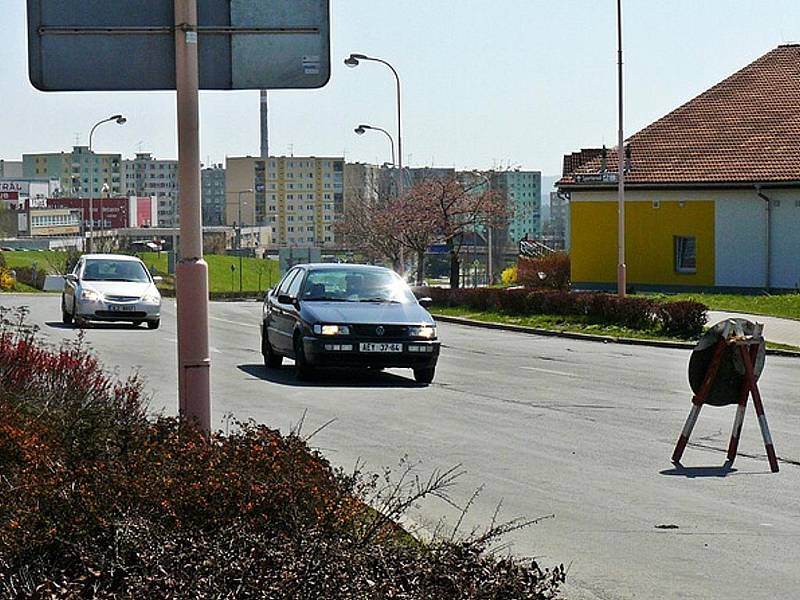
(552, 372)
(233, 322)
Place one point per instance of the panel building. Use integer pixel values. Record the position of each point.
(299, 197)
(213, 195)
(78, 172)
(148, 176)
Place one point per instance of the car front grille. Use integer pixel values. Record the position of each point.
(389, 331)
(121, 315)
(122, 298)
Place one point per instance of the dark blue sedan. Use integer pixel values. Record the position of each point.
(332, 315)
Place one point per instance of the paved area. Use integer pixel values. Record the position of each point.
(781, 331)
(548, 426)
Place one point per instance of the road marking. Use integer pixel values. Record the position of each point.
(551, 371)
(233, 322)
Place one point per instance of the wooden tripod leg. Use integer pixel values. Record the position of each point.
(748, 358)
(737, 423)
(697, 402)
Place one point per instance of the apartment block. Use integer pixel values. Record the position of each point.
(79, 172)
(213, 195)
(298, 197)
(147, 176)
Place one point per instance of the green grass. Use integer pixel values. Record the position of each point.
(49, 260)
(220, 276)
(778, 305)
(563, 323)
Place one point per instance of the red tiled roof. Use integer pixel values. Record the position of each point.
(744, 129)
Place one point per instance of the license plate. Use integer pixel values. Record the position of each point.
(120, 307)
(380, 347)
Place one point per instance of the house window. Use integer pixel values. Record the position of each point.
(685, 254)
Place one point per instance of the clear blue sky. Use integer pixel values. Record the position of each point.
(486, 82)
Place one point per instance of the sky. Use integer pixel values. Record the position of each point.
(485, 83)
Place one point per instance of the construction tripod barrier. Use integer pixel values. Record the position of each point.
(724, 369)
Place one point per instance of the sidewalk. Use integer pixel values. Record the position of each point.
(781, 331)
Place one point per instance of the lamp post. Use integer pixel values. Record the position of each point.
(362, 129)
(239, 234)
(119, 120)
(489, 251)
(621, 268)
(104, 190)
(353, 61)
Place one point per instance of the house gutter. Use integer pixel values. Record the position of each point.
(580, 187)
(768, 224)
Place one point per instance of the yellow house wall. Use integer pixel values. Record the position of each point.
(649, 245)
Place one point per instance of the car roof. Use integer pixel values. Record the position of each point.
(120, 257)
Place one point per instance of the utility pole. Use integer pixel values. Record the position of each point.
(621, 268)
(194, 362)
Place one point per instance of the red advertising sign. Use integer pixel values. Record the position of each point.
(9, 195)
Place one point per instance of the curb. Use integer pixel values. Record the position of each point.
(588, 337)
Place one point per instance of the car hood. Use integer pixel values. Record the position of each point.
(118, 288)
(367, 313)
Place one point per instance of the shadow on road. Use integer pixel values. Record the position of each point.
(331, 377)
(125, 326)
(691, 472)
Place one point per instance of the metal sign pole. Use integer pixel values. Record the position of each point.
(194, 363)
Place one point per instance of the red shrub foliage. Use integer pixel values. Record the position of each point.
(551, 272)
(679, 319)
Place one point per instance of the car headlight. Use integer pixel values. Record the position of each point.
(423, 331)
(151, 297)
(320, 329)
(91, 295)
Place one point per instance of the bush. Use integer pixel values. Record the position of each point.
(683, 318)
(99, 501)
(509, 276)
(679, 319)
(551, 271)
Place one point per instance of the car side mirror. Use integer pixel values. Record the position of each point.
(285, 299)
(157, 279)
(425, 302)
(71, 277)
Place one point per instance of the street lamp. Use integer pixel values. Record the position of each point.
(362, 129)
(489, 255)
(239, 235)
(119, 120)
(353, 61)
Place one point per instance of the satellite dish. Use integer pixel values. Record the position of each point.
(727, 385)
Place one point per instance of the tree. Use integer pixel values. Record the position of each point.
(367, 226)
(453, 206)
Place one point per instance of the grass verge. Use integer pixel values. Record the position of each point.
(573, 324)
(561, 323)
(779, 305)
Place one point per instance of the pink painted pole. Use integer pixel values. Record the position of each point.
(194, 362)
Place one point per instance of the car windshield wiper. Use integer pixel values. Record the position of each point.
(323, 299)
(388, 300)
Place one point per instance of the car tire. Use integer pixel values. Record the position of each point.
(424, 375)
(154, 324)
(272, 360)
(302, 370)
(66, 318)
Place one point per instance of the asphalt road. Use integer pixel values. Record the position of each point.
(580, 430)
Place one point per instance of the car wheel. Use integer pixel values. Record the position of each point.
(424, 375)
(153, 324)
(272, 360)
(303, 371)
(66, 318)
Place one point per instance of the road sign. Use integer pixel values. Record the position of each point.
(96, 45)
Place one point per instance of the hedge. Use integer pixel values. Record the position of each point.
(684, 319)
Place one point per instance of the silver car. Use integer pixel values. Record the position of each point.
(111, 287)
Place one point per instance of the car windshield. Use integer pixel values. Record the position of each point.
(356, 285)
(108, 269)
